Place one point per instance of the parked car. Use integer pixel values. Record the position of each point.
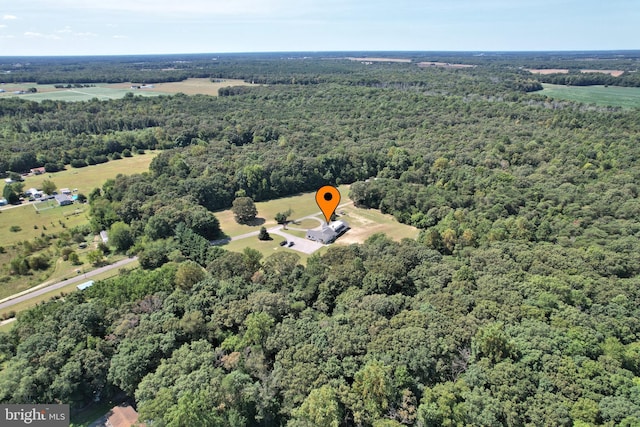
(291, 244)
(284, 242)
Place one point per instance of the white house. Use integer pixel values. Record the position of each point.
(328, 233)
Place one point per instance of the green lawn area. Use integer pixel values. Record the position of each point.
(86, 179)
(302, 205)
(615, 96)
(363, 223)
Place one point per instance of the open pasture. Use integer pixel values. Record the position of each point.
(614, 96)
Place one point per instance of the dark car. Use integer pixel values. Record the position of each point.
(291, 244)
(284, 242)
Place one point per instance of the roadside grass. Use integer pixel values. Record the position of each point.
(68, 289)
(615, 96)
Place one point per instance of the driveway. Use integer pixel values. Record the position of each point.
(299, 244)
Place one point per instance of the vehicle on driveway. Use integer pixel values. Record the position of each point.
(284, 242)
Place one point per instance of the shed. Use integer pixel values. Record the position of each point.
(85, 285)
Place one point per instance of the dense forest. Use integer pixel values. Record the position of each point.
(517, 304)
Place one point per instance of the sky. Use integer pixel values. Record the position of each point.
(112, 27)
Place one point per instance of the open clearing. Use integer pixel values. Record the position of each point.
(548, 71)
(106, 91)
(614, 96)
(188, 87)
(84, 179)
(90, 177)
(444, 65)
(614, 73)
(363, 223)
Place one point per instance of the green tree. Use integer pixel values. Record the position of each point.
(263, 234)
(11, 194)
(244, 210)
(95, 257)
(120, 236)
(321, 408)
(281, 217)
(48, 186)
(189, 273)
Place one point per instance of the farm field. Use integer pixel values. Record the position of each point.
(106, 91)
(614, 96)
(191, 86)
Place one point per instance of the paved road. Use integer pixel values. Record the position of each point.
(31, 293)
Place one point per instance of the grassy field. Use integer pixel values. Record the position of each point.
(302, 205)
(30, 223)
(363, 223)
(86, 179)
(118, 90)
(614, 96)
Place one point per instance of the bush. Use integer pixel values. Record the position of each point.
(14, 228)
(78, 163)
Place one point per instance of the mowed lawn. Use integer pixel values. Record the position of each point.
(363, 223)
(302, 205)
(614, 96)
(84, 179)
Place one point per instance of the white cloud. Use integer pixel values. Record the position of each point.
(118, 36)
(85, 34)
(9, 17)
(36, 35)
(65, 30)
(3, 26)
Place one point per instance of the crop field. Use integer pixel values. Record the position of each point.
(614, 96)
(118, 90)
(188, 87)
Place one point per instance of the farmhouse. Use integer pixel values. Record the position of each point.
(63, 200)
(328, 233)
(37, 171)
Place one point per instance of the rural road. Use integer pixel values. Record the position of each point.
(31, 293)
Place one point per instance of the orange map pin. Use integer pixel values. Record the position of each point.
(328, 199)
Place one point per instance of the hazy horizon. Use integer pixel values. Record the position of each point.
(119, 27)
